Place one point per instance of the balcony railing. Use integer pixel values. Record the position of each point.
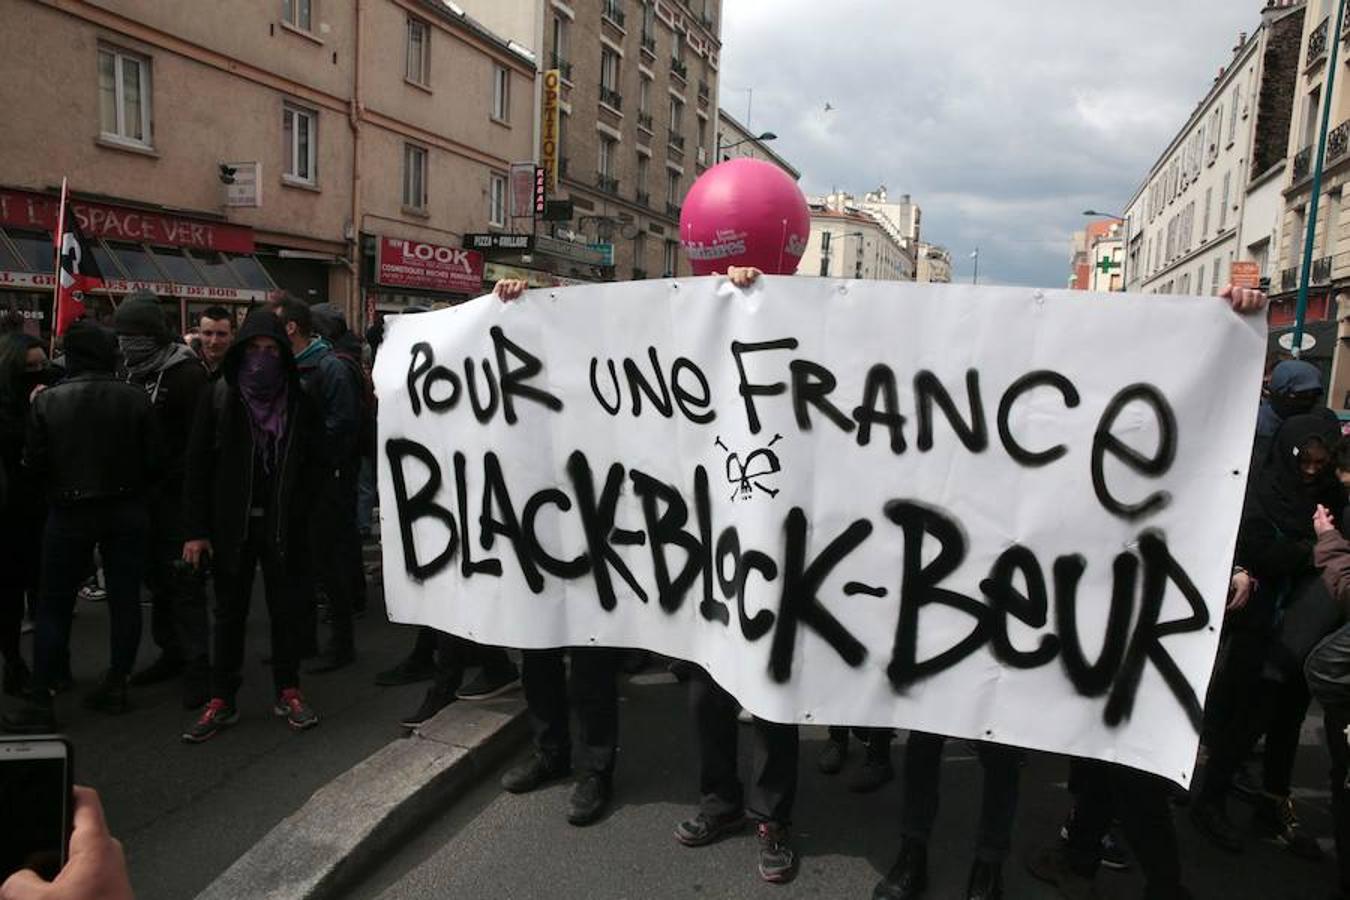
(614, 12)
(672, 209)
(1321, 271)
(1338, 142)
(563, 66)
(643, 198)
(639, 274)
(1289, 279)
(644, 121)
(677, 141)
(1302, 167)
(703, 90)
(679, 69)
(607, 183)
(649, 42)
(611, 97)
(1317, 42)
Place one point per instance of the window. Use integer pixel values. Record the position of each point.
(677, 46)
(671, 258)
(825, 243)
(609, 69)
(645, 95)
(418, 54)
(124, 96)
(1204, 224)
(501, 93)
(672, 186)
(414, 177)
(297, 13)
(676, 115)
(1223, 201)
(640, 254)
(643, 166)
(605, 164)
(1232, 116)
(560, 44)
(702, 133)
(1200, 279)
(1333, 224)
(649, 21)
(497, 199)
(299, 128)
(825, 266)
(1214, 281)
(1310, 115)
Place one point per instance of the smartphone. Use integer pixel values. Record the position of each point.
(36, 774)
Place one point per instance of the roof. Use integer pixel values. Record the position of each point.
(723, 115)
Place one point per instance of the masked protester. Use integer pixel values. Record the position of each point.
(91, 441)
(252, 464)
(173, 378)
(23, 372)
(1294, 389)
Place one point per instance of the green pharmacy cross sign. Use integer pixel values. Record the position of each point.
(1106, 264)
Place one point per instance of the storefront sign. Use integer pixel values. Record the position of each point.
(1019, 533)
(246, 187)
(585, 254)
(120, 286)
(540, 191)
(495, 272)
(522, 190)
(548, 141)
(520, 243)
(429, 267)
(25, 209)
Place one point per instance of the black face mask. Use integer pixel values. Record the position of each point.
(1286, 405)
(44, 377)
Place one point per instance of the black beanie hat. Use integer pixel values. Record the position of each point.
(139, 313)
(89, 348)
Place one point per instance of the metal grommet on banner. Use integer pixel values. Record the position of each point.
(674, 285)
(843, 289)
(1040, 297)
(553, 295)
(806, 716)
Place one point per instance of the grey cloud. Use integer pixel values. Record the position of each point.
(1004, 119)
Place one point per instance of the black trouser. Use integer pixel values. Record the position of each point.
(591, 687)
(773, 786)
(1107, 791)
(998, 808)
(178, 601)
(875, 739)
(337, 549)
(20, 572)
(1275, 709)
(283, 587)
(119, 528)
(454, 654)
(1337, 720)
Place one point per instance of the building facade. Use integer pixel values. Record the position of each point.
(735, 141)
(638, 108)
(1186, 224)
(932, 264)
(847, 242)
(1083, 253)
(217, 163)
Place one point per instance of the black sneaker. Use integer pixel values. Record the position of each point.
(1246, 783)
(985, 881)
(590, 799)
(16, 677)
(1275, 820)
(299, 714)
(533, 773)
(484, 686)
(333, 657)
(704, 829)
(1051, 865)
(435, 700)
(1114, 856)
(777, 861)
(162, 669)
(215, 717)
(31, 718)
(908, 878)
(110, 696)
(831, 761)
(874, 773)
(408, 671)
(1211, 820)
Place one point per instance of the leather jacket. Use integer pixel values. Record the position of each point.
(93, 437)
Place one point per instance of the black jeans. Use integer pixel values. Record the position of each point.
(876, 740)
(923, 775)
(773, 786)
(591, 687)
(178, 603)
(337, 549)
(454, 654)
(1106, 791)
(284, 587)
(120, 529)
(1337, 719)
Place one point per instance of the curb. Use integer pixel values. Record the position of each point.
(349, 823)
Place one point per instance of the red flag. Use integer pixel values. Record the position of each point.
(76, 269)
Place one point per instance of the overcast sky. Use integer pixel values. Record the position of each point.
(1005, 119)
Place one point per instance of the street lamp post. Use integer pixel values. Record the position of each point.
(719, 146)
(1305, 270)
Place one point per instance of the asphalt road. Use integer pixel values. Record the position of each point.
(185, 813)
(501, 846)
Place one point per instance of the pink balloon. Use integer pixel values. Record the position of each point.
(744, 212)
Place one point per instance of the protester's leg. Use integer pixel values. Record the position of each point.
(234, 592)
(545, 676)
(1141, 801)
(68, 544)
(1288, 707)
(333, 550)
(367, 496)
(284, 586)
(773, 788)
(716, 732)
(922, 775)
(452, 655)
(595, 696)
(124, 538)
(1093, 811)
(998, 809)
(1337, 720)
(496, 663)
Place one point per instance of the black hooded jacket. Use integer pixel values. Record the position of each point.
(218, 490)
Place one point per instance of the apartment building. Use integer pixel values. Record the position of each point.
(221, 152)
(849, 242)
(736, 141)
(638, 118)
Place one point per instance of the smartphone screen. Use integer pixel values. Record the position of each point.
(35, 799)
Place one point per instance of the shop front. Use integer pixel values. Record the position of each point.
(542, 261)
(190, 262)
(401, 273)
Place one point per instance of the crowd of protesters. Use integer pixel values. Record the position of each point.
(250, 446)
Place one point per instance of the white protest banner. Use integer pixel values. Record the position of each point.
(996, 513)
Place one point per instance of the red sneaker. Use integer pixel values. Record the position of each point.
(299, 714)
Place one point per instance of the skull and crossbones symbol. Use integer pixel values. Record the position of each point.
(746, 474)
